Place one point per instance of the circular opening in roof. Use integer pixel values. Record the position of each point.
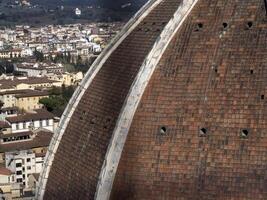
(244, 133)
(203, 132)
(225, 25)
(163, 130)
(249, 24)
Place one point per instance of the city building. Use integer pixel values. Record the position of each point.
(23, 164)
(36, 119)
(26, 100)
(7, 178)
(36, 141)
(66, 78)
(176, 108)
(24, 83)
(39, 69)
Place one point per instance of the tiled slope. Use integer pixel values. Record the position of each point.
(213, 76)
(78, 161)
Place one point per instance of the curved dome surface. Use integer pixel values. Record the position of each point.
(174, 108)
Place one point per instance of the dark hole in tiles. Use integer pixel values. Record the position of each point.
(249, 25)
(198, 27)
(251, 71)
(244, 133)
(154, 23)
(158, 30)
(203, 132)
(225, 25)
(163, 130)
(262, 97)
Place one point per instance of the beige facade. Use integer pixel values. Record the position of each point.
(29, 103)
(23, 99)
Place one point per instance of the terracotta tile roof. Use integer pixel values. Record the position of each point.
(25, 93)
(32, 93)
(5, 171)
(9, 108)
(42, 139)
(4, 124)
(8, 83)
(37, 115)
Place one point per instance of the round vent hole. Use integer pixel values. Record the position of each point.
(249, 25)
(225, 25)
(203, 132)
(163, 130)
(244, 133)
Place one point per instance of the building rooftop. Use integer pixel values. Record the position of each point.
(5, 171)
(39, 114)
(42, 139)
(25, 93)
(11, 83)
(4, 124)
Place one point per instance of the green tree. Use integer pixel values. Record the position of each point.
(38, 55)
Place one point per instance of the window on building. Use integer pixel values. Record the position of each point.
(28, 160)
(18, 165)
(41, 124)
(19, 172)
(17, 127)
(24, 125)
(29, 168)
(19, 180)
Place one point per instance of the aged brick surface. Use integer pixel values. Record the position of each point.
(77, 164)
(212, 76)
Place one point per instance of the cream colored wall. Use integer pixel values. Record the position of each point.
(7, 131)
(32, 86)
(5, 188)
(9, 100)
(22, 86)
(40, 150)
(67, 79)
(2, 156)
(29, 103)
